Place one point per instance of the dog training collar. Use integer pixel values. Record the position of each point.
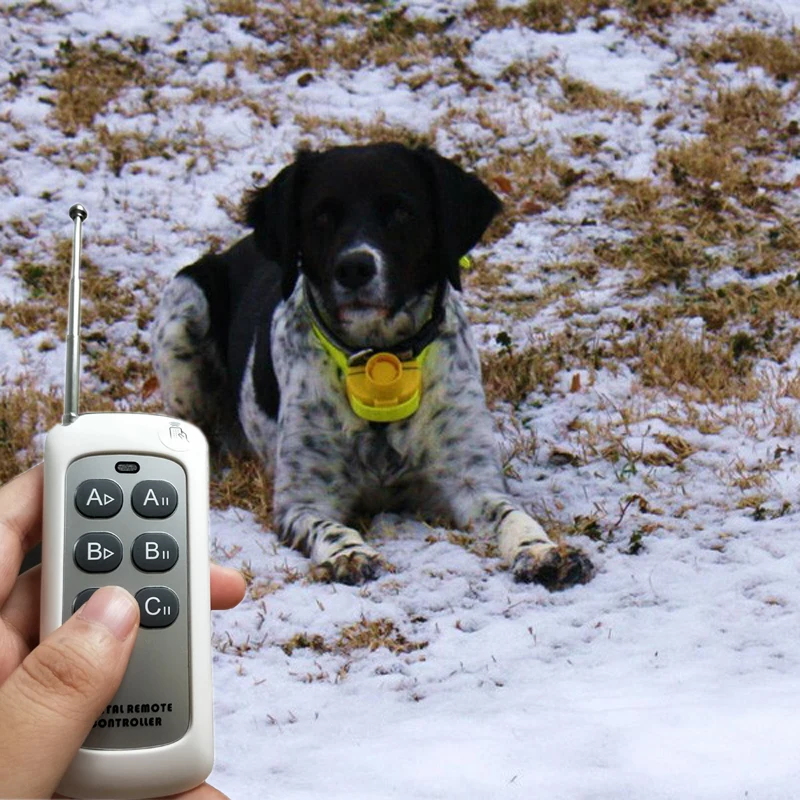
(382, 385)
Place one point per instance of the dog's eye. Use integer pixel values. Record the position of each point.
(323, 216)
(398, 215)
(322, 219)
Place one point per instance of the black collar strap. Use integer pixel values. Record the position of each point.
(406, 350)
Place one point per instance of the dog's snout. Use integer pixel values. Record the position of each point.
(354, 270)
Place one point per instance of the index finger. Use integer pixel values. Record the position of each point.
(227, 587)
(20, 524)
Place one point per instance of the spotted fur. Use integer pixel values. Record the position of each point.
(192, 376)
(441, 463)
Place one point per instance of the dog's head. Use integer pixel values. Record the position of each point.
(373, 228)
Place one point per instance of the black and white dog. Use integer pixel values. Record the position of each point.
(355, 252)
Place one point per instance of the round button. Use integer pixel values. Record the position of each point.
(98, 552)
(154, 499)
(384, 371)
(98, 498)
(81, 598)
(154, 552)
(158, 606)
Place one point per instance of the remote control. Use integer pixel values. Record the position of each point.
(126, 503)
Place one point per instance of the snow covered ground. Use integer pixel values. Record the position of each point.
(674, 673)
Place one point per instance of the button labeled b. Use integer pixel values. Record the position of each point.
(154, 552)
(98, 552)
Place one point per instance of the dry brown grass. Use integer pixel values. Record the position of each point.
(559, 16)
(717, 200)
(709, 174)
(124, 379)
(124, 148)
(86, 80)
(778, 56)
(396, 38)
(242, 482)
(660, 11)
(742, 128)
(658, 258)
(127, 147)
(512, 373)
(235, 8)
(553, 16)
(116, 374)
(562, 16)
(730, 162)
(750, 117)
(106, 297)
(328, 132)
(529, 182)
(743, 324)
(580, 95)
(530, 74)
(763, 306)
(25, 412)
(309, 35)
(304, 641)
(365, 634)
(372, 634)
(703, 368)
(34, 10)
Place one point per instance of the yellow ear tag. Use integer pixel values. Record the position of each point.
(385, 389)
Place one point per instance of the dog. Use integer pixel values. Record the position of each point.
(354, 260)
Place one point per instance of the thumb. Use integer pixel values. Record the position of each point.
(49, 703)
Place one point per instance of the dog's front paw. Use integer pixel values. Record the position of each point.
(353, 568)
(556, 567)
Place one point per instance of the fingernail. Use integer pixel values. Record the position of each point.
(113, 608)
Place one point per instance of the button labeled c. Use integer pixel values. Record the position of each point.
(158, 606)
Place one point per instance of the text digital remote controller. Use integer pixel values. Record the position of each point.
(126, 503)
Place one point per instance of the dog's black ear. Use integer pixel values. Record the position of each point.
(272, 213)
(464, 208)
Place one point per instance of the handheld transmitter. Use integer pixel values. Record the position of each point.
(126, 503)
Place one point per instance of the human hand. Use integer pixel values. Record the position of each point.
(52, 691)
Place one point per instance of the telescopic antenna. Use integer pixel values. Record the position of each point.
(73, 374)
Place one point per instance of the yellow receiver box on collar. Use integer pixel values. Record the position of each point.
(384, 389)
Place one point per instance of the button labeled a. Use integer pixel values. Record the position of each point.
(154, 499)
(98, 498)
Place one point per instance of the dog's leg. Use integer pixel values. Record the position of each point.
(179, 346)
(314, 491)
(471, 487)
(532, 556)
(338, 551)
(467, 471)
(316, 481)
(187, 365)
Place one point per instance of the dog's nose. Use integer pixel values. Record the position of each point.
(355, 270)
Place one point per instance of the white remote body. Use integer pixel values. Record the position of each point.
(126, 503)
